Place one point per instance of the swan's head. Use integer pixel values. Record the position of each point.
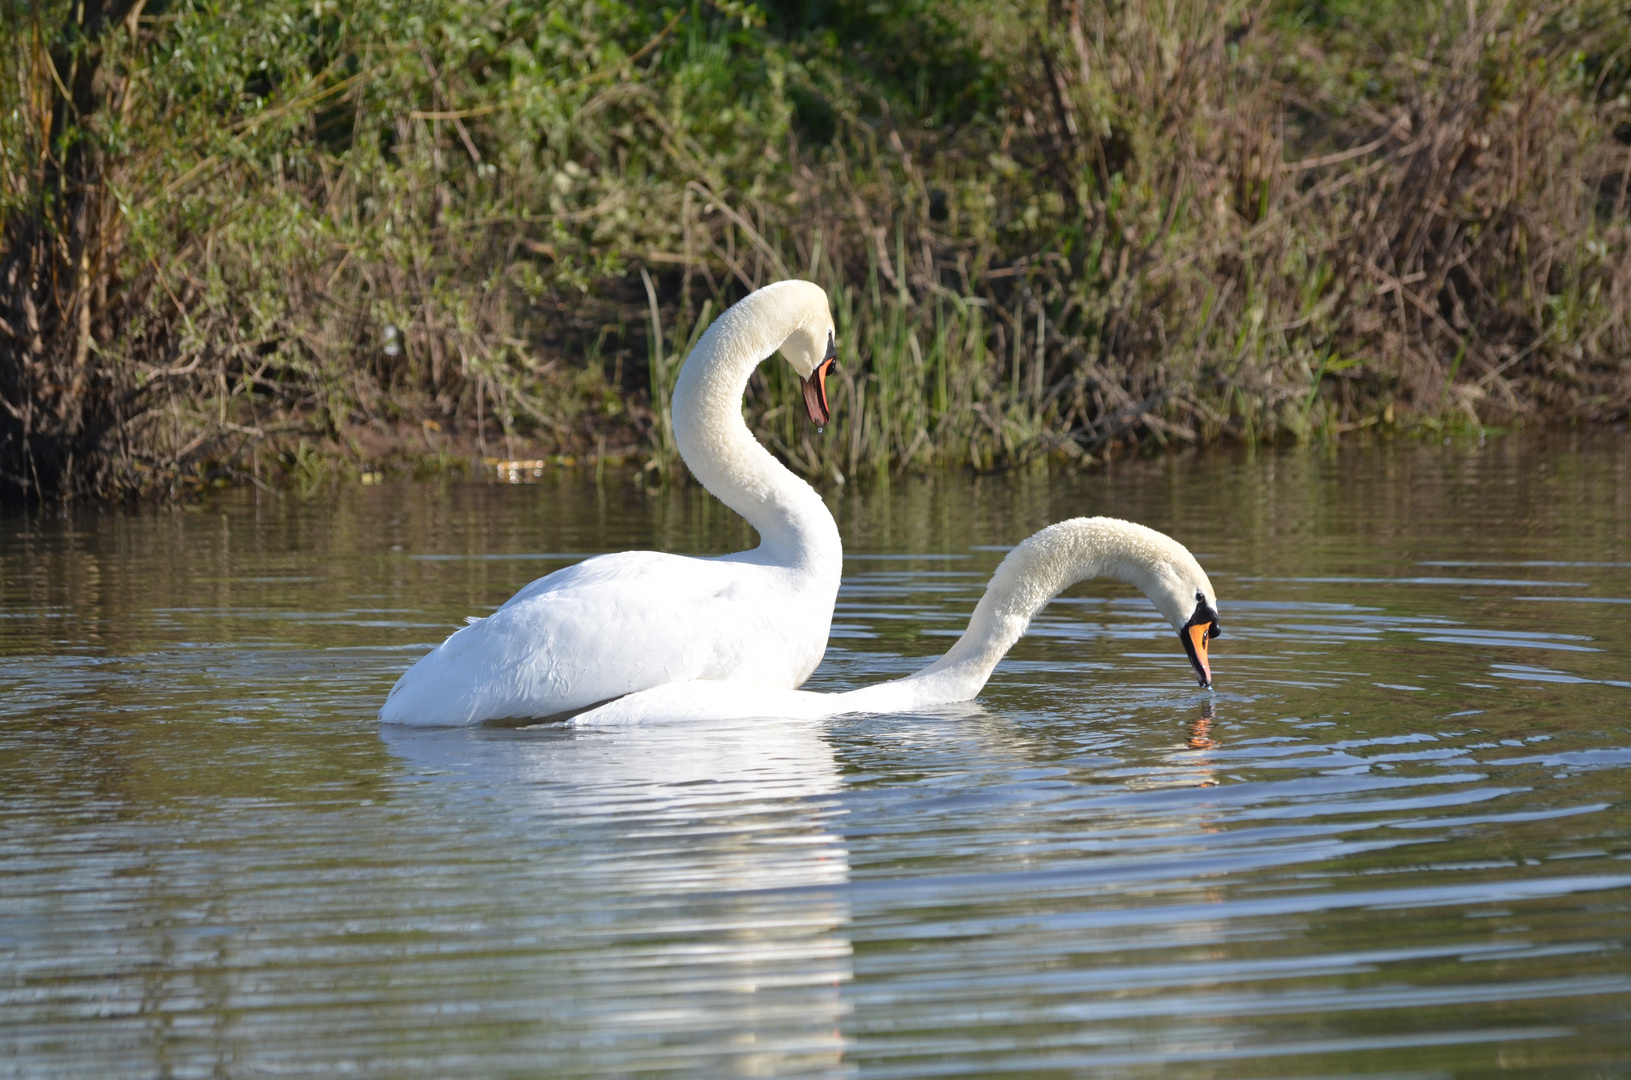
(812, 349)
(1184, 596)
(1152, 562)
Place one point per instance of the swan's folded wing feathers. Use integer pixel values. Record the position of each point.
(601, 629)
(585, 643)
(598, 572)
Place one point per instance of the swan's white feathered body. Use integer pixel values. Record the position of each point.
(621, 623)
(1031, 575)
(616, 624)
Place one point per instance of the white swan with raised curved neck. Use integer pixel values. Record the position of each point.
(1031, 575)
(616, 624)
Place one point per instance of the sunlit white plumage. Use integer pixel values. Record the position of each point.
(1031, 575)
(620, 623)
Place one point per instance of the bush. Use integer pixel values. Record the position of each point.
(232, 233)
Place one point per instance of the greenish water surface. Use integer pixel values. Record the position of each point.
(1394, 842)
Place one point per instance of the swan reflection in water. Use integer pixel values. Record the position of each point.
(1200, 731)
(1199, 739)
(674, 896)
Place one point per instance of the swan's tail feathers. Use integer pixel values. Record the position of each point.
(471, 620)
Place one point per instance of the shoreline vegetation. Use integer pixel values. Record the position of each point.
(274, 241)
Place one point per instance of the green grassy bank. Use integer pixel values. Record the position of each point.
(252, 240)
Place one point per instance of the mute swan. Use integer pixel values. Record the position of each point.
(1031, 575)
(619, 623)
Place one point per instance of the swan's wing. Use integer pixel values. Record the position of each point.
(710, 700)
(603, 628)
(644, 569)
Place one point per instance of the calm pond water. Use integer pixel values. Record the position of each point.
(1396, 842)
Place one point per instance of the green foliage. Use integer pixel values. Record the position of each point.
(450, 227)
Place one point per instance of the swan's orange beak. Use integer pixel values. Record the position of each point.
(815, 388)
(1195, 646)
(1201, 628)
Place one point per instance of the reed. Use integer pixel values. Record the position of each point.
(242, 240)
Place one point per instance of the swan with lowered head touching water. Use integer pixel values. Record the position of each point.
(1029, 577)
(621, 623)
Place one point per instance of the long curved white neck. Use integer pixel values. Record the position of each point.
(1031, 575)
(795, 527)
